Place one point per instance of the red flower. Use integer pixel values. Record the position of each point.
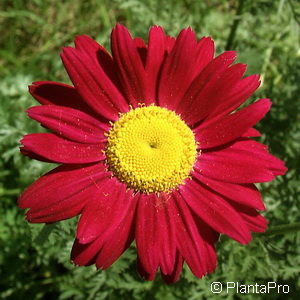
(152, 149)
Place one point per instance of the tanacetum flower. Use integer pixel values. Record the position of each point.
(153, 148)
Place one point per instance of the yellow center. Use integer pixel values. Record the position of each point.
(151, 149)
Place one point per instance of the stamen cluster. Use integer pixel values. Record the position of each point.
(151, 149)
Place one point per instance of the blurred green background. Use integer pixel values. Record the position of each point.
(34, 260)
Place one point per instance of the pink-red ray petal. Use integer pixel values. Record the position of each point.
(56, 93)
(143, 272)
(155, 57)
(174, 276)
(197, 101)
(70, 123)
(246, 194)
(155, 236)
(105, 251)
(59, 211)
(55, 149)
(166, 233)
(34, 156)
(146, 235)
(194, 246)
(213, 93)
(205, 54)
(86, 254)
(244, 161)
(170, 42)
(62, 193)
(236, 96)
(130, 66)
(102, 216)
(175, 79)
(215, 211)
(99, 55)
(120, 239)
(252, 218)
(141, 48)
(139, 43)
(93, 84)
(231, 126)
(251, 132)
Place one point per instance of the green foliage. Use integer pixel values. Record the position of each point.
(34, 259)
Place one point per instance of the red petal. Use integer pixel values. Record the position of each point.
(56, 149)
(251, 217)
(34, 156)
(245, 161)
(236, 96)
(174, 276)
(143, 273)
(62, 193)
(119, 240)
(146, 235)
(141, 48)
(101, 57)
(56, 93)
(155, 57)
(70, 123)
(174, 78)
(85, 254)
(93, 84)
(251, 132)
(205, 53)
(105, 251)
(200, 98)
(166, 234)
(130, 65)
(246, 194)
(214, 211)
(103, 215)
(194, 245)
(139, 43)
(231, 126)
(170, 42)
(155, 237)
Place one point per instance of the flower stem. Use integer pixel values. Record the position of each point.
(282, 229)
(234, 25)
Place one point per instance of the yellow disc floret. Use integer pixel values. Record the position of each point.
(151, 149)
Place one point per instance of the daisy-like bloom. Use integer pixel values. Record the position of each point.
(153, 148)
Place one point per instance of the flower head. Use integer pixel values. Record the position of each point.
(153, 148)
